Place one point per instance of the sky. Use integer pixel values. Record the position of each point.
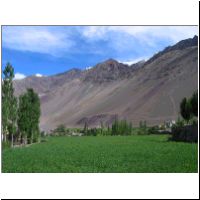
(48, 50)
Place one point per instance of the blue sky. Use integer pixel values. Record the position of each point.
(47, 50)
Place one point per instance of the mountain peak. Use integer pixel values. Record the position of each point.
(107, 71)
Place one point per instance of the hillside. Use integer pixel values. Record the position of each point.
(150, 90)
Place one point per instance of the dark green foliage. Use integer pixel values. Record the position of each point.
(194, 121)
(142, 128)
(121, 127)
(60, 130)
(85, 130)
(20, 118)
(177, 132)
(185, 109)
(184, 133)
(29, 114)
(188, 133)
(153, 130)
(93, 132)
(189, 107)
(194, 103)
(9, 105)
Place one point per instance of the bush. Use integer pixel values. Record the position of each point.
(153, 130)
(60, 128)
(188, 133)
(194, 121)
(177, 132)
(92, 132)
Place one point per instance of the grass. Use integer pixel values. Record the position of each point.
(152, 153)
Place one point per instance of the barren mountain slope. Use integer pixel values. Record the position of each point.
(151, 92)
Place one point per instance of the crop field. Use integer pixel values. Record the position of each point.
(150, 153)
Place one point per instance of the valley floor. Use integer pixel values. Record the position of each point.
(152, 153)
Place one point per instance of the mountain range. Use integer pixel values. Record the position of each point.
(148, 90)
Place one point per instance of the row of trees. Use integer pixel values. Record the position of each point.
(118, 127)
(121, 128)
(20, 116)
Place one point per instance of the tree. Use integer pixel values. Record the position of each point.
(142, 127)
(194, 103)
(185, 109)
(29, 114)
(9, 104)
(13, 118)
(85, 130)
(115, 127)
(130, 128)
(23, 117)
(34, 115)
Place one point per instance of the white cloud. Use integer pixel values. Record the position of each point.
(35, 39)
(147, 34)
(95, 32)
(19, 76)
(58, 41)
(39, 75)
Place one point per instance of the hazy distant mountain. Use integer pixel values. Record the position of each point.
(150, 90)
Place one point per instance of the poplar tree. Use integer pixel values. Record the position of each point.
(23, 118)
(9, 104)
(29, 114)
(34, 115)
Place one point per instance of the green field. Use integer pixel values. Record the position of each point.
(153, 153)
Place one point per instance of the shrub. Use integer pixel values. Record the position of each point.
(194, 121)
(178, 133)
(153, 130)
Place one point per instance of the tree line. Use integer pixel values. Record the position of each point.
(20, 115)
(118, 127)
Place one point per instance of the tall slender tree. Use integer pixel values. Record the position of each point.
(23, 119)
(29, 114)
(9, 104)
(34, 115)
